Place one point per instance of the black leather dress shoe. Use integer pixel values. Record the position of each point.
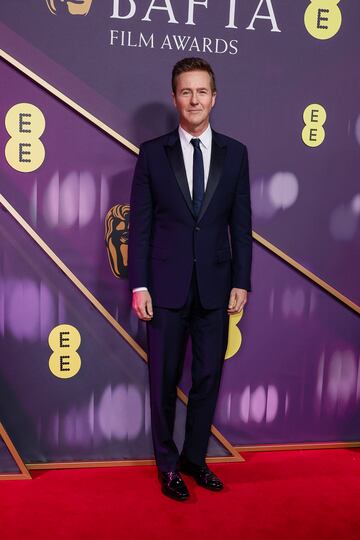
(173, 485)
(201, 473)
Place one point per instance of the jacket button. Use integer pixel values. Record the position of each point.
(197, 228)
(194, 259)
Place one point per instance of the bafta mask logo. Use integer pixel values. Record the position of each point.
(116, 238)
(72, 7)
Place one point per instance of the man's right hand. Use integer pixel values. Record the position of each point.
(142, 305)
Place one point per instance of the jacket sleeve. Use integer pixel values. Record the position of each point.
(241, 229)
(141, 212)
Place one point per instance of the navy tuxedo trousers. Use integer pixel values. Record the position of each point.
(167, 336)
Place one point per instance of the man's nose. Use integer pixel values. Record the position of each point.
(194, 99)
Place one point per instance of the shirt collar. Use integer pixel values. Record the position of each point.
(205, 137)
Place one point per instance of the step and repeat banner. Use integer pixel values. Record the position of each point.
(82, 85)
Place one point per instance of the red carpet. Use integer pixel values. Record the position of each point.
(280, 495)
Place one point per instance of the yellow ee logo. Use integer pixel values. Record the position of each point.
(323, 18)
(235, 337)
(25, 124)
(64, 340)
(313, 133)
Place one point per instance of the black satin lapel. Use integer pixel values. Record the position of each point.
(216, 167)
(176, 159)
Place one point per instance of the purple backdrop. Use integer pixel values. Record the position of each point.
(296, 377)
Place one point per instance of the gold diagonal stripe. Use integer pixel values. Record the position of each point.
(85, 291)
(66, 270)
(323, 284)
(54, 91)
(271, 247)
(24, 473)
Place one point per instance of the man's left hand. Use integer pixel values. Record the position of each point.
(238, 299)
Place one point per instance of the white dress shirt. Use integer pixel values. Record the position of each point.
(188, 155)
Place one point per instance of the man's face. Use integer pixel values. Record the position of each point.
(194, 99)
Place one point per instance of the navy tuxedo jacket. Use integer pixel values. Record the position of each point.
(166, 239)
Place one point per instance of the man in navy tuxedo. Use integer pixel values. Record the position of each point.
(190, 251)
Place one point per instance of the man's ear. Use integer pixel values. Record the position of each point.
(213, 98)
(174, 99)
